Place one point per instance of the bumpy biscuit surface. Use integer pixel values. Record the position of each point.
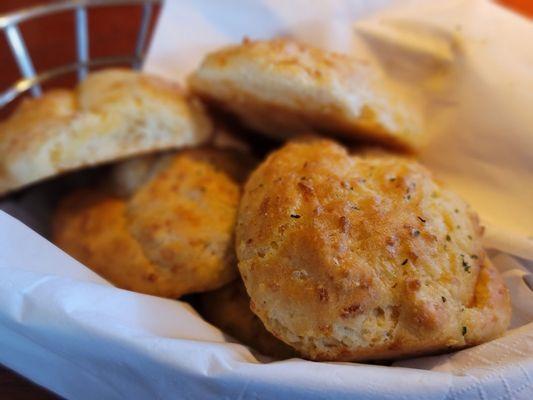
(91, 226)
(184, 216)
(283, 88)
(173, 234)
(364, 257)
(113, 114)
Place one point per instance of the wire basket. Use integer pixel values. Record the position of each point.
(31, 80)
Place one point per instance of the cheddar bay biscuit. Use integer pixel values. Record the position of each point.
(283, 88)
(113, 114)
(91, 226)
(185, 216)
(168, 232)
(364, 257)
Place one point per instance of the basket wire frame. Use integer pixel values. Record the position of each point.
(9, 24)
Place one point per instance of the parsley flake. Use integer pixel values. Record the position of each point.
(466, 266)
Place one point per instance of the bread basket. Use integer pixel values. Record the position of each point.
(126, 349)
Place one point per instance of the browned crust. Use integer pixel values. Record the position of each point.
(282, 88)
(113, 114)
(173, 236)
(350, 258)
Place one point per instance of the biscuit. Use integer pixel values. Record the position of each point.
(185, 216)
(364, 257)
(282, 88)
(228, 308)
(112, 114)
(173, 234)
(91, 226)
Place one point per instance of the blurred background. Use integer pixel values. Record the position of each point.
(51, 42)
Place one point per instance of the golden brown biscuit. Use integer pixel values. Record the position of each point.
(173, 236)
(282, 88)
(112, 114)
(91, 226)
(228, 308)
(185, 216)
(356, 258)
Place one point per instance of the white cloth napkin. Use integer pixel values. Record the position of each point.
(469, 65)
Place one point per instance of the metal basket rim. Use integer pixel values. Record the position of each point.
(30, 80)
(16, 17)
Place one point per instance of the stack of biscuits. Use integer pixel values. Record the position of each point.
(336, 245)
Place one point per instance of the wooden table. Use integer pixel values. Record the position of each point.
(113, 31)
